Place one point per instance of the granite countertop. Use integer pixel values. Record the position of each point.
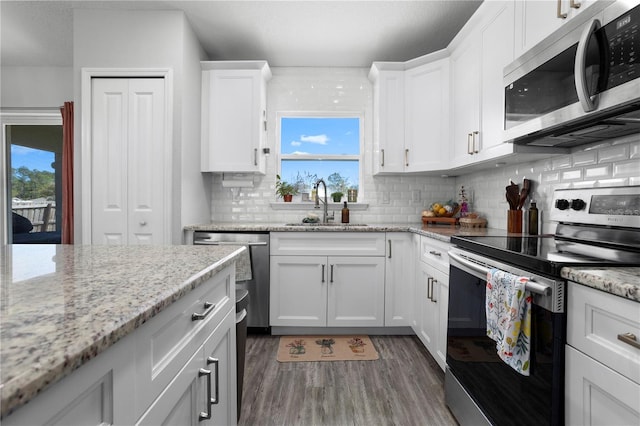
(62, 305)
(621, 281)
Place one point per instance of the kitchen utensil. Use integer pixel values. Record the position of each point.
(513, 196)
(524, 192)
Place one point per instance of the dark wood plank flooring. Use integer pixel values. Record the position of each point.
(403, 387)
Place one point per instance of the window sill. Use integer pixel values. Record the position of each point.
(310, 206)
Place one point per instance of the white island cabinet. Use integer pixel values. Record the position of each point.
(234, 116)
(602, 358)
(327, 279)
(163, 354)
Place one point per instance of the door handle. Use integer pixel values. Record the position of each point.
(574, 4)
(205, 415)
(588, 102)
(216, 370)
(389, 249)
(629, 339)
(433, 284)
(382, 163)
(255, 156)
(475, 146)
(331, 279)
(470, 143)
(208, 307)
(322, 273)
(406, 157)
(429, 288)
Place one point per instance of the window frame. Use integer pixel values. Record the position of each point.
(331, 157)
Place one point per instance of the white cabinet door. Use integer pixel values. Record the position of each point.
(433, 293)
(388, 92)
(597, 395)
(497, 52)
(536, 19)
(298, 291)
(128, 163)
(399, 280)
(234, 118)
(356, 291)
(465, 95)
(427, 117)
(220, 359)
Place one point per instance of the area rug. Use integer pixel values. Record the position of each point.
(326, 348)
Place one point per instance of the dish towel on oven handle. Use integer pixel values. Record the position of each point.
(508, 306)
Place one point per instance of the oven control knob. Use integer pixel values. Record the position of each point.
(578, 204)
(562, 204)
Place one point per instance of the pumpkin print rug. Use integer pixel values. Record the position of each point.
(326, 348)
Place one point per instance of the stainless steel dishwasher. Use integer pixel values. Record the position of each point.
(258, 286)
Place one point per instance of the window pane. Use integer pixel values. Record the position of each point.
(320, 135)
(311, 170)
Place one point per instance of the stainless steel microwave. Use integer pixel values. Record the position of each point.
(581, 84)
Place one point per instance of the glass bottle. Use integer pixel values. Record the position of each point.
(533, 219)
(345, 213)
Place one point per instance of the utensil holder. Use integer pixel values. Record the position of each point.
(514, 221)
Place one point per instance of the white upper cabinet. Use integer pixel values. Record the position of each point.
(234, 116)
(536, 19)
(411, 110)
(477, 62)
(426, 116)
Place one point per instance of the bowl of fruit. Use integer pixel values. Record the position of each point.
(445, 209)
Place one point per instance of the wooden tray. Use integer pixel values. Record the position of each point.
(451, 221)
(466, 222)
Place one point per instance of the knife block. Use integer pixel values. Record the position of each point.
(514, 221)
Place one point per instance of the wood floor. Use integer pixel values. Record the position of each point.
(403, 387)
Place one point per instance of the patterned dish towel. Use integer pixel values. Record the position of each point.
(509, 318)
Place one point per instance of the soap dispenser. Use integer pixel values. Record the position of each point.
(345, 213)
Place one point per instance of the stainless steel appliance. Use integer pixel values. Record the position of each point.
(258, 286)
(581, 84)
(596, 227)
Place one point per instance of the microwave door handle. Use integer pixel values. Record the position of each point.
(580, 70)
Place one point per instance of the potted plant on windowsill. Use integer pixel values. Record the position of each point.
(285, 190)
(337, 196)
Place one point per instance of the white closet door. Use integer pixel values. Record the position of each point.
(127, 185)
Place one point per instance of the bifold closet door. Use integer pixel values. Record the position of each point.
(127, 170)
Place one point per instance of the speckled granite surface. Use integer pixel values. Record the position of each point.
(624, 282)
(61, 306)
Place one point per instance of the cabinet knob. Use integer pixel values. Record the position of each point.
(143, 223)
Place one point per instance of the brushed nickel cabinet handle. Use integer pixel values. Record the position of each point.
(434, 282)
(216, 370)
(470, 143)
(208, 308)
(560, 14)
(629, 339)
(430, 288)
(574, 4)
(322, 273)
(435, 253)
(382, 163)
(331, 279)
(389, 249)
(205, 415)
(475, 145)
(406, 157)
(255, 156)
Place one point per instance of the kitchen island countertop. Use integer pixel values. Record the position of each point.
(62, 305)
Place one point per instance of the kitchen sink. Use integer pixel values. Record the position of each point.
(326, 224)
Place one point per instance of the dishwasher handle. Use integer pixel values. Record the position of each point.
(227, 243)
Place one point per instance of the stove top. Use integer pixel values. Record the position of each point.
(542, 254)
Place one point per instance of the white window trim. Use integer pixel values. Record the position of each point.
(322, 114)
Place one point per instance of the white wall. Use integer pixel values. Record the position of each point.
(35, 87)
(149, 39)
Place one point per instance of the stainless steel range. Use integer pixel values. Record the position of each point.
(595, 227)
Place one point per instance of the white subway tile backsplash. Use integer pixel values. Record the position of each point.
(592, 172)
(585, 158)
(563, 162)
(613, 153)
(571, 175)
(626, 168)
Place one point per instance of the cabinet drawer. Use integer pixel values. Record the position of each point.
(595, 319)
(327, 243)
(435, 253)
(166, 343)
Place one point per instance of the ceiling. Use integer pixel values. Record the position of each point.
(351, 33)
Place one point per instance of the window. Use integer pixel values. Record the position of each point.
(319, 146)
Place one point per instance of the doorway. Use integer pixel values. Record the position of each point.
(31, 179)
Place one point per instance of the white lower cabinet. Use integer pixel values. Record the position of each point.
(199, 394)
(399, 278)
(432, 298)
(315, 289)
(602, 360)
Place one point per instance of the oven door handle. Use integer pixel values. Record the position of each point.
(482, 272)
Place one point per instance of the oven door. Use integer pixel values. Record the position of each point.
(478, 380)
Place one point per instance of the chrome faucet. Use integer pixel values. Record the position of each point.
(325, 214)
